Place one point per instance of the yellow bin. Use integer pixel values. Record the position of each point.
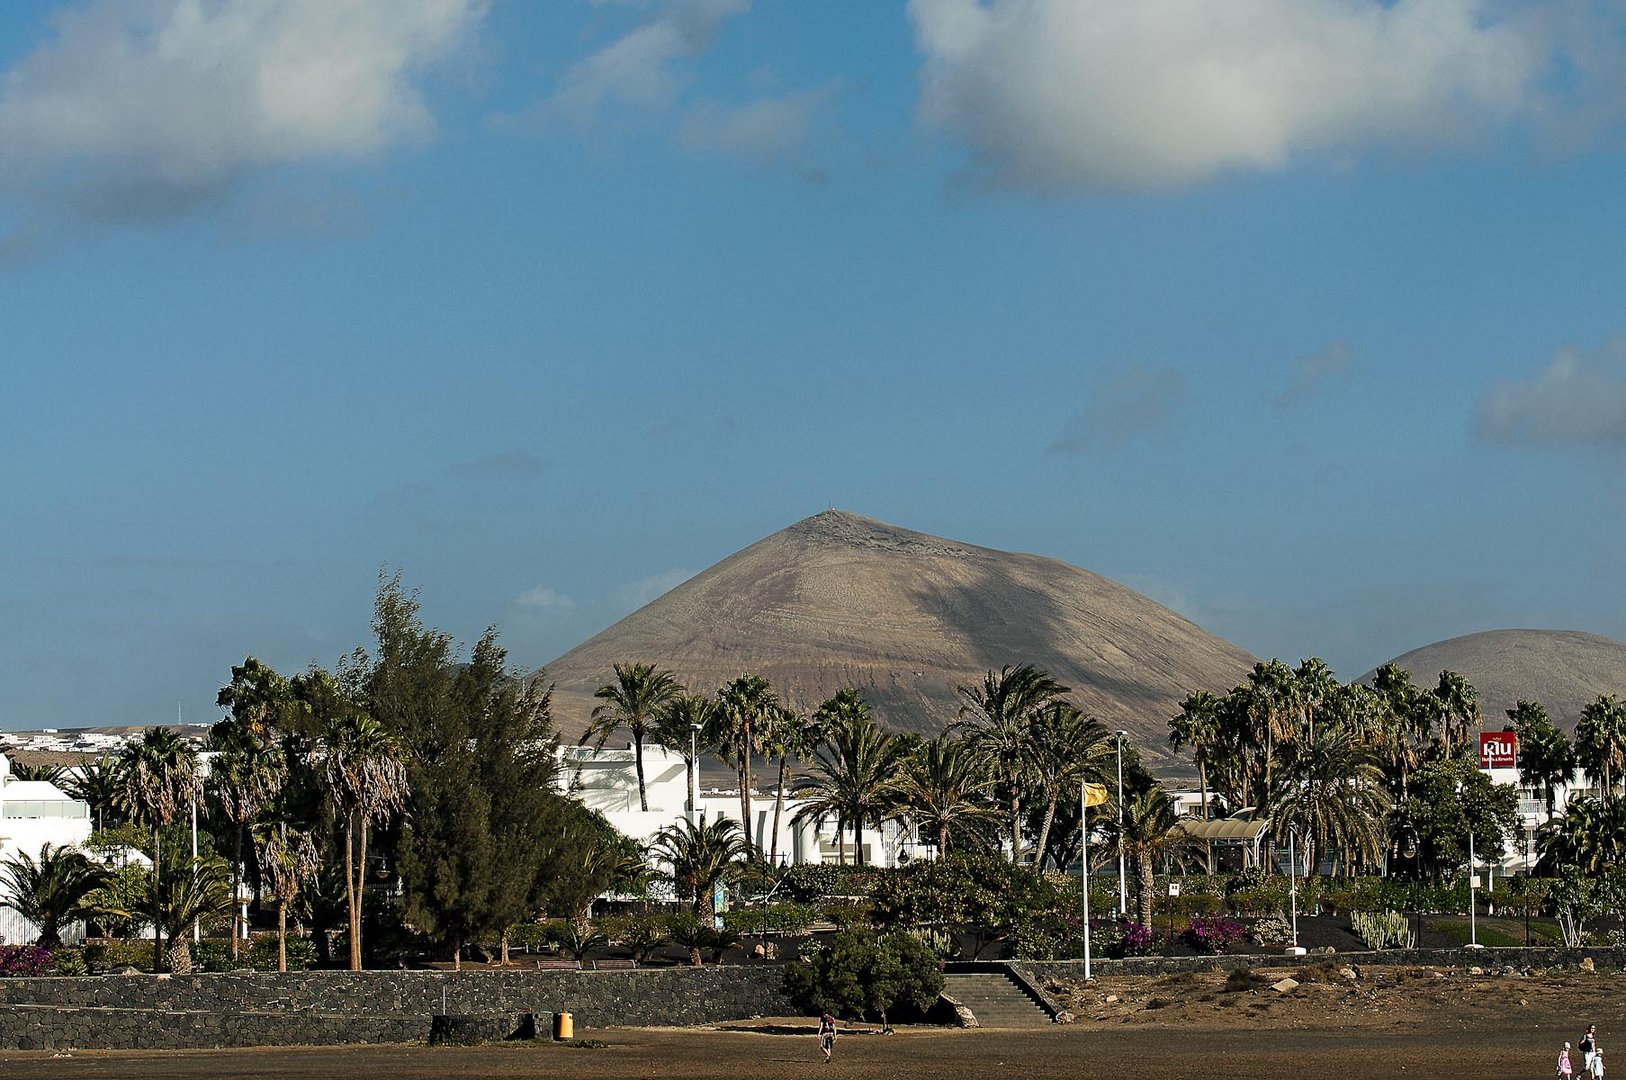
(564, 1026)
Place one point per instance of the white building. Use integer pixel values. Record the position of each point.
(34, 813)
(607, 781)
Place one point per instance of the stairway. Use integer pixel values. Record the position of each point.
(996, 1000)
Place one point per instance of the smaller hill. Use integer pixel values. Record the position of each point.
(1565, 670)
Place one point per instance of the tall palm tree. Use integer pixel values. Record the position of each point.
(743, 707)
(288, 859)
(1600, 743)
(1313, 684)
(997, 717)
(855, 776)
(633, 701)
(362, 770)
(1066, 749)
(946, 789)
(157, 778)
(1330, 796)
(680, 718)
(1546, 759)
(1197, 725)
(787, 734)
(245, 777)
(1272, 709)
(1409, 720)
(1147, 835)
(1456, 706)
(51, 892)
(699, 856)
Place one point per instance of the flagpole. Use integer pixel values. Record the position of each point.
(1084, 867)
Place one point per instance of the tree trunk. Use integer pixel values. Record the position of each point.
(361, 885)
(1016, 825)
(457, 952)
(1044, 831)
(503, 955)
(841, 840)
(1147, 882)
(282, 935)
(1208, 845)
(638, 765)
(180, 954)
(778, 808)
(236, 882)
(350, 899)
(745, 783)
(157, 905)
(942, 839)
(858, 842)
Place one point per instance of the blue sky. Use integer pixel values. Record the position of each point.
(1301, 316)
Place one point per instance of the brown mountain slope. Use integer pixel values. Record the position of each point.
(1565, 670)
(839, 599)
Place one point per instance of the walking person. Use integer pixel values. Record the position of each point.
(1564, 1070)
(1589, 1048)
(827, 1036)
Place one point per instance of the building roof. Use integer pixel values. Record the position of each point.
(1224, 829)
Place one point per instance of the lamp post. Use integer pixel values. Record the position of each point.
(1123, 888)
(1084, 867)
(1473, 919)
(1293, 889)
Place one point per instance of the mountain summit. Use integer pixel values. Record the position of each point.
(839, 599)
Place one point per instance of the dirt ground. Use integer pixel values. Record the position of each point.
(1410, 1023)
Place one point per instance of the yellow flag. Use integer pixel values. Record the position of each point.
(1095, 794)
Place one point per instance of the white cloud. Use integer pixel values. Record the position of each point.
(1580, 400)
(1312, 372)
(542, 598)
(643, 67)
(635, 594)
(1124, 406)
(769, 130)
(1135, 94)
(144, 109)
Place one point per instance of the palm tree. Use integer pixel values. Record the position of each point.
(188, 899)
(1546, 760)
(157, 777)
(97, 785)
(945, 788)
(245, 777)
(1067, 748)
(1600, 743)
(998, 718)
(1197, 725)
(288, 859)
(633, 701)
(683, 716)
(1590, 835)
(1456, 706)
(787, 734)
(855, 776)
(51, 892)
(361, 768)
(50, 774)
(1330, 795)
(1148, 834)
(743, 706)
(259, 699)
(1313, 683)
(699, 856)
(1269, 695)
(1408, 719)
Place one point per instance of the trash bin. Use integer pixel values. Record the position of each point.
(564, 1026)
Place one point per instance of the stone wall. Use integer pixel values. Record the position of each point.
(1606, 959)
(114, 1011)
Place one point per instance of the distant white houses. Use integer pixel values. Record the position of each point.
(34, 813)
(606, 780)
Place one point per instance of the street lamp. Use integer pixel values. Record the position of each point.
(1123, 889)
(1473, 921)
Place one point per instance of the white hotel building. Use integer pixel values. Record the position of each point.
(34, 813)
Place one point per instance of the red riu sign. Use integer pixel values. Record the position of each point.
(1498, 750)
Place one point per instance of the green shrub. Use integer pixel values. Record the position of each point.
(861, 973)
(1273, 929)
(262, 953)
(774, 919)
(847, 916)
(809, 882)
(69, 962)
(115, 955)
(528, 935)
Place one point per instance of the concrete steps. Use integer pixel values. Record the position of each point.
(996, 1000)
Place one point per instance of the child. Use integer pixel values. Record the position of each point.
(827, 1036)
(1597, 1062)
(1564, 1062)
